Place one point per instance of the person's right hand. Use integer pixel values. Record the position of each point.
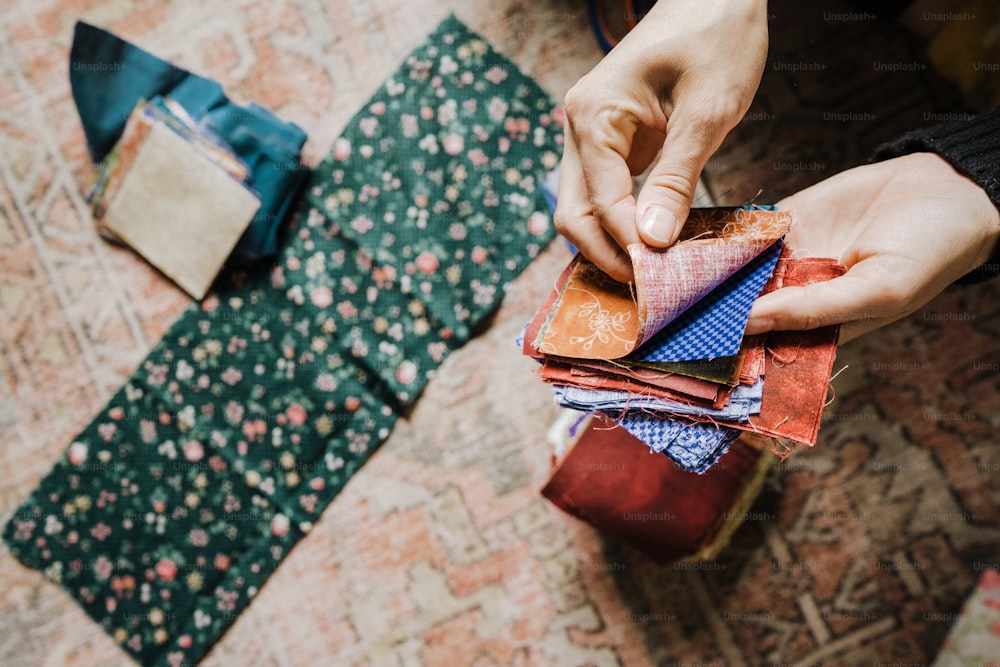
(673, 87)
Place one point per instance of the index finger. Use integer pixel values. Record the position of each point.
(603, 145)
(575, 219)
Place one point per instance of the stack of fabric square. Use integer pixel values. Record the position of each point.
(667, 359)
(187, 178)
(174, 192)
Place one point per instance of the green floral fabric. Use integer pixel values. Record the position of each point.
(974, 639)
(168, 513)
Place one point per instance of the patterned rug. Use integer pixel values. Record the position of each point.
(440, 551)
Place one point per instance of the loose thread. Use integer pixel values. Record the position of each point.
(834, 376)
(779, 448)
(750, 202)
(832, 393)
(830, 389)
(782, 362)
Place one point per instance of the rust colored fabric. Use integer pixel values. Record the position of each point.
(651, 383)
(797, 364)
(753, 359)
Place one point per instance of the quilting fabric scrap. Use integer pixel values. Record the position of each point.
(599, 375)
(170, 510)
(743, 402)
(597, 317)
(694, 446)
(974, 639)
(713, 326)
(109, 77)
(797, 364)
(692, 386)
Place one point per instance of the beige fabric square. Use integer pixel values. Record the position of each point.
(180, 211)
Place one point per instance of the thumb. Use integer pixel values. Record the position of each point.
(664, 202)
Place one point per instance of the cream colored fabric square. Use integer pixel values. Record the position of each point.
(180, 211)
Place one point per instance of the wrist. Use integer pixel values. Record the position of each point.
(986, 214)
(976, 203)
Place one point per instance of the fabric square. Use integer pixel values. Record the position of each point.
(159, 539)
(609, 479)
(593, 317)
(432, 200)
(798, 364)
(744, 401)
(974, 639)
(361, 315)
(721, 370)
(109, 77)
(639, 381)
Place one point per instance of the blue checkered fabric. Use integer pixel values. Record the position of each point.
(714, 326)
(694, 447)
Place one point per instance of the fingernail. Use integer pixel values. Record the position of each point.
(660, 224)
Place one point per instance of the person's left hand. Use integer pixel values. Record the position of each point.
(905, 229)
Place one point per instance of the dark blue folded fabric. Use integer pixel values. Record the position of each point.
(109, 76)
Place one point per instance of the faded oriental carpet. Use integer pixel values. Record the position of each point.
(439, 549)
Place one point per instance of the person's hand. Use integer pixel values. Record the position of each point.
(674, 86)
(905, 229)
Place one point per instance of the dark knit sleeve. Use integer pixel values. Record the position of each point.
(972, 147)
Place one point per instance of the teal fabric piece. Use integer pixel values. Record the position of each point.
(109, 76)
(170, 510)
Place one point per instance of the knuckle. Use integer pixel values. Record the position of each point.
(576, 100)
(702, 125)
(728, 110)
(596, 118)
(706, 128)
(562, 222)
(681, 181)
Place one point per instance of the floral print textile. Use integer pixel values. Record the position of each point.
(168, 513)
(974, 639)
